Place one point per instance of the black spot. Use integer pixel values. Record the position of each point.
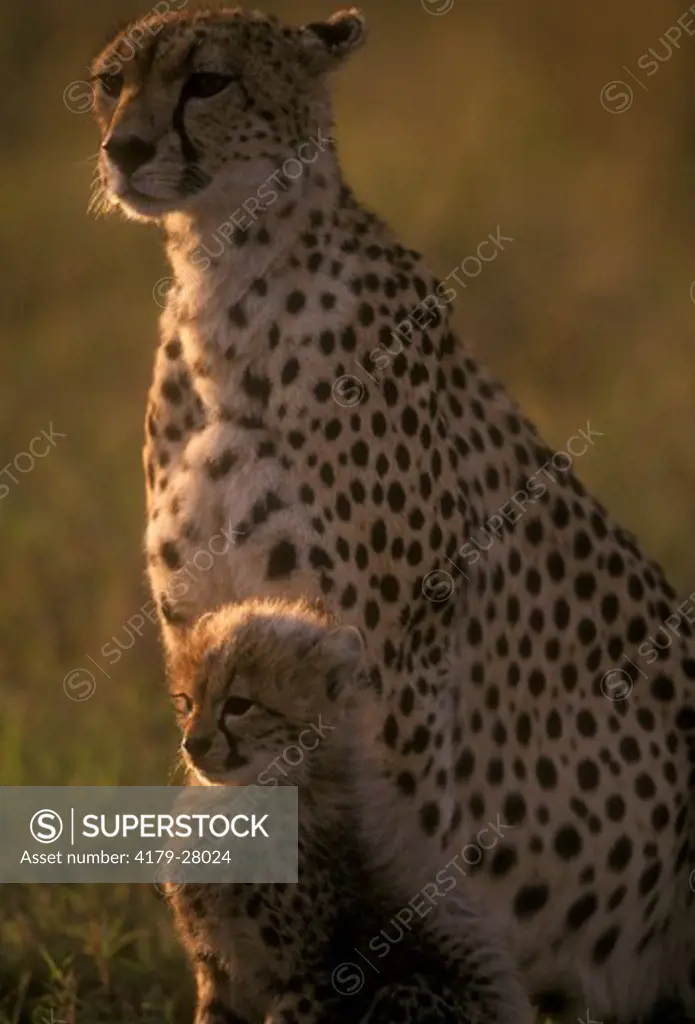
(536, 682)
(289, 371)
(348, 339)
(503, 861)
(390, 731)
(553, 725)
(649, 878)
(390, 588)
(660, 817)
(515, 809)
(270, 936)
(256, 387)
(561, 613)
(582, 545)
(620, 854)
(365, 314)
(588, 775)
(407, 700)
(523, 729)
(172, 392)
(534, 532)
(406, 783)
(530, 900)
(170, 554)
(465, 765)
(238, 316)
(580, 911)
(173, 348)
(296, 301)
(615, 807)
(569, 676)
(556, 566)
(604, 945)
(220, 465)
(616, 565)
(685, 719)
(629, 750)
(644, 786)
(636, 630)
(610, 608)
(327, 342)
(545, 773)
(282, 560)
(319, 558)
(586, 632)
(617, 897)
(360, 453)
(371, 615)
(662, 688)
(568, 843)
(379, 536)
(396, 497)
(584, 586)
(586, 723)
(429, 818)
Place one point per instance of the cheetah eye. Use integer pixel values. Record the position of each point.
(236, 707)
(206, 83)
(111, 84)
(182, 704)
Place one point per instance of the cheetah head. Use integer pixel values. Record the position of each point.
(202, 107)
(260, 687)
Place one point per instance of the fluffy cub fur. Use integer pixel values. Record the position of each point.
(257, 681)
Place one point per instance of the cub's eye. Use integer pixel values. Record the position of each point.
(206, 83)
(182, 704)
(111, 84)
(236, 707)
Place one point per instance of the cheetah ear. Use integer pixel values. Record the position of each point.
(344, 647)
(325, 44)
(341, 652)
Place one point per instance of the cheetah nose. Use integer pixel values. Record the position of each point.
(197, 746)
(129, 153)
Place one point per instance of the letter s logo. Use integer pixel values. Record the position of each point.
(46, 826)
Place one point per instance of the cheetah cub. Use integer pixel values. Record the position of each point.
(254, 680)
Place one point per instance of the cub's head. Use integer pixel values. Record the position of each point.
(260, 687)
(193, 105)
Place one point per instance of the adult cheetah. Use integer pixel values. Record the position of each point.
(218, 127)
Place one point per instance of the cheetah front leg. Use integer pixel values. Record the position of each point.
(213, 991)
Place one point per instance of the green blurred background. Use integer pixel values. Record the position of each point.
(450, 125)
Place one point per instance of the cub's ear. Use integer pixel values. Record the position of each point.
(344, 646)
(341, 652)
(326, 44)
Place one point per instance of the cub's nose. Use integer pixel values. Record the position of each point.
(129, 153)
(197, 746)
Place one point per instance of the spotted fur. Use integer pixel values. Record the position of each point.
(278, 695)
(492, 699)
